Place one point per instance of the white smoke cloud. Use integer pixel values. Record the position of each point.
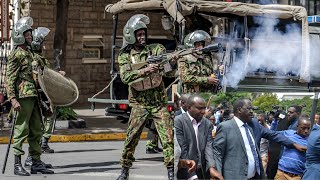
(271, 50)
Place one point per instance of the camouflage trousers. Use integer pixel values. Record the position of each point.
(153, 140)
(138, 119)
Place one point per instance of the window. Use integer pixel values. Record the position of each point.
(93, 49)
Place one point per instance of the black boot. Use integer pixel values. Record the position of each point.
(170, 173)
(158, 149)
(38, 167)
(45, 147)
(124, 174)
(153, 150)
(18, 169)
(28, 163)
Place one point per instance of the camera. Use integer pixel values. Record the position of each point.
(278, 112)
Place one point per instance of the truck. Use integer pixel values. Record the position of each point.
(266, 48)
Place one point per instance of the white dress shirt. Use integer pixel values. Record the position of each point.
(195, 127)
(182, 111)
(251, 164)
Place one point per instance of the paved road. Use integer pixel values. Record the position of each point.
(91, 160)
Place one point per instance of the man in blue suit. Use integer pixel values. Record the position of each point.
(313, 155)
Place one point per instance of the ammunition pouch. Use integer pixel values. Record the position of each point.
(149, 82)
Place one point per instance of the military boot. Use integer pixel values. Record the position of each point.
(38, 167)
(124, 174)
(170, 173)
(28, 163)
(18, 169)
(153, 150)
(45, 147)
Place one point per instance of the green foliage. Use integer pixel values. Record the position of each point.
(304, 101)
(66, 113)
(226, 97)
(265, 102)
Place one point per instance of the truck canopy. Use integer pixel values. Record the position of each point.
(179, 8)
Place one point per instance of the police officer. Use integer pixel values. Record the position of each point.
(197, 71)
(148, 100)
(39, 61)
(22, 93)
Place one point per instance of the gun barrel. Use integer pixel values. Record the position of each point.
(212, 48)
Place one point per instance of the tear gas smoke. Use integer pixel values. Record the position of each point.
(271, 50)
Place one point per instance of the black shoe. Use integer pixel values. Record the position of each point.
(124, 174)
(39, 167)
(18, 169)
(45, 147)
(28, 163)
(153, 150)
(159, 149)
(170, 173)
(46, 150)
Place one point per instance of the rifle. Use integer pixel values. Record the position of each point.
(165, 59)
(9, 143)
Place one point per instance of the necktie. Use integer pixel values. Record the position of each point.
(252, 147)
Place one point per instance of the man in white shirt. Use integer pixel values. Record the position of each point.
(236, 154)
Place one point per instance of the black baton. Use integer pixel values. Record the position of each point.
(9, 143)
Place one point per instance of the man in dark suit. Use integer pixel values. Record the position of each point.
(193, 132)
(257, 131)
(183, 104)
(236, 153)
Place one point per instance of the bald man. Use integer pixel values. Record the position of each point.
(183, 104)
(193, 132)
(292, 163)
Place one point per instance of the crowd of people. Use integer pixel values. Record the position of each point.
(241, 145)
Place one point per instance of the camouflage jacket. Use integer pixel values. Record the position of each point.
(151, 97)
(38, 62)
(194, 70)
(20, 82)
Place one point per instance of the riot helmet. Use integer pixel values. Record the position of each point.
(196, 36)
(136, 22)
(23, 25)
(39, 35)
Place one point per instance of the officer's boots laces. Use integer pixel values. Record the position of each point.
(18, 169)
(124, 174)
(170, 173)
(39, 167)
(45, 147)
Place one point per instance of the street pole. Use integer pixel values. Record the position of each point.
(314, 107)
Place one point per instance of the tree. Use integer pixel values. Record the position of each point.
(306, 101)
(61, 33)
(229, 97)
(265, 102)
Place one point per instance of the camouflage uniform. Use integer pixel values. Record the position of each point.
(41, 61)
(194, 70)
(22, 87)
(147, 104)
